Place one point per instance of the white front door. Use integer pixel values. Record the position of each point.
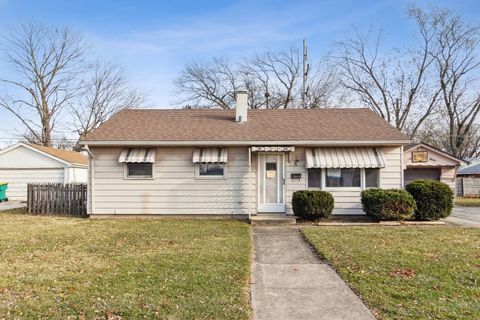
(270, 182)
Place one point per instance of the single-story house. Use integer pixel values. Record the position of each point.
(468, 179)
(422, 161)
(471, 170)
(24, 163)
(238, 162)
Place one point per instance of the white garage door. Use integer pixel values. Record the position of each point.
(427, 174)
(18, 178)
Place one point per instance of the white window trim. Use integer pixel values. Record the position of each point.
(324, 187)
(199, 177)
(127, 177)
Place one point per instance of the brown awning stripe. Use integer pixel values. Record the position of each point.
(344, 158)
(210, 155)
(137, 155)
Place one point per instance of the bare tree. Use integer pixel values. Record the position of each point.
(208, 84)
(395, 86)
(322, 87)
(457, 65)
(271, 78)
(47, 64)
(105, 93)
(277, 73)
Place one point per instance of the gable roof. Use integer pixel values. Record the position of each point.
(470, 169)
(71, 157)
(215, 125)
(434, 149)
(64, 156)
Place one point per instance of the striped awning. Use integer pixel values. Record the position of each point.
(137, 155)
(272, 148)
(210, 155)
(344, 158)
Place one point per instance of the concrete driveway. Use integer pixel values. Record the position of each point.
(11, 205)
(465, 217)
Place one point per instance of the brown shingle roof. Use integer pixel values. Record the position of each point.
(69, 156)
(262, 125)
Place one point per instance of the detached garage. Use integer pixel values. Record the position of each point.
(25, 163)
(419, 173)
(423, 161)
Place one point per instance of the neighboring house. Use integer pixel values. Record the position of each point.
(468, 179)
(23, 163)
(238, 162)
(471, 170)
(423, 161)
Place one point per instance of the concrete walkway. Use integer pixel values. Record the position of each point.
(11, 205)
(290, 282)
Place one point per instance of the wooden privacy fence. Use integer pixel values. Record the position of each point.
(468, 187)
(57, 198)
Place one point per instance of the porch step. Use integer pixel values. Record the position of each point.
(271, 220)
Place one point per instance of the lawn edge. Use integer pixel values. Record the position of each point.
(248, 287)
(322, 258)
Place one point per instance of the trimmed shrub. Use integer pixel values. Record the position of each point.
(434, 199)
(388, 204)
(311, 205)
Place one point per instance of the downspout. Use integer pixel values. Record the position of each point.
(402, 169)
(91, 165)
(249, 208)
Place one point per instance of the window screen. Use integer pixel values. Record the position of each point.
(371, 178)
(139, 170)
(314, 178)
(343, 177)
(211, 169)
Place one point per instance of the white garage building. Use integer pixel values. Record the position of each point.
(25, 163)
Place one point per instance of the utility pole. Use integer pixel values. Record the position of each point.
(306, 68)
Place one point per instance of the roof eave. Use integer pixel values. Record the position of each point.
(246, 143)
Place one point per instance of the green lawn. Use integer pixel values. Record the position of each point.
(467, 202)
(70, 268)
(407, 272)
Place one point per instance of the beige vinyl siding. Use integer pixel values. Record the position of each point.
(292, 185)
(448, 176)
(391, 176)
(346, 201)
(19, 178)
(174, 189)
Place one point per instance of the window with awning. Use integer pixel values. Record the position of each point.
(138, 163)
(210, 155)
(344, 158)
(137, 155)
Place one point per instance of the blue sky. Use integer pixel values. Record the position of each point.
(153, 40)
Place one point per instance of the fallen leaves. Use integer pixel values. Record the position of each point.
(405, 273)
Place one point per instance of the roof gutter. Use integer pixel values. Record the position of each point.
(247, 143)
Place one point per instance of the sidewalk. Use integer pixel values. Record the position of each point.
(290, 282)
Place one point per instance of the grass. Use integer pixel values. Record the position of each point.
(407, 272)
(467, 202)
(70, 268)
